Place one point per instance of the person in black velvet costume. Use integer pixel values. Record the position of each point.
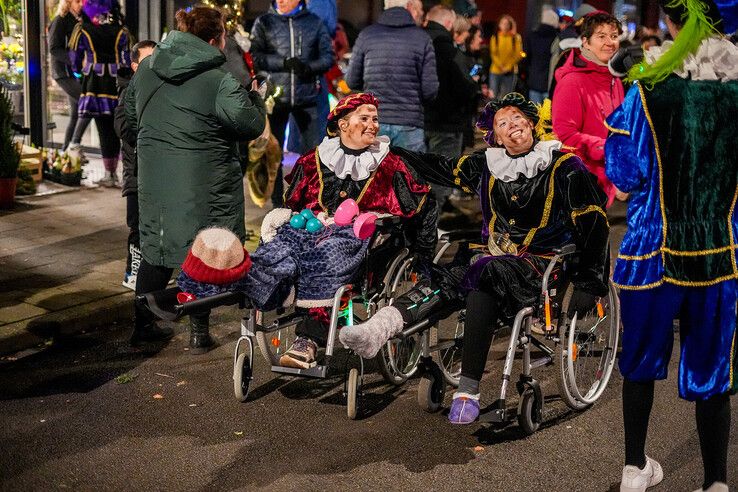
(535, 198)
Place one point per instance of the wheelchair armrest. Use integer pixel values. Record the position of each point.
(385, 221)
(466, 235)
(565, 250)
(164, 304)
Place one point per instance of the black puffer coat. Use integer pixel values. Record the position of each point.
(276, 37)
(60, 31)
(394, 59)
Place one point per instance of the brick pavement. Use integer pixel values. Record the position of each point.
(62, 258)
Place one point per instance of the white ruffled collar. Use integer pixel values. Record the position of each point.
(358, 167)
(506, 168)
(715, 59)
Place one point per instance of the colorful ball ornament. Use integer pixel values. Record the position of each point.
(314, 225)
(298, 221)
(308, 214)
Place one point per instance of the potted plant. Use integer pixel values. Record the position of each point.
(9, 155)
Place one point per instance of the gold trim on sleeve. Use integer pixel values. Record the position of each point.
(589, 209)
(730, 230)
(658, 160)
(616, 130)
(640, 257)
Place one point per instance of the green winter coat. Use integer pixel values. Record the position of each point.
(189, 114)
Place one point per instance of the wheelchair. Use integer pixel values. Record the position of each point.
(385, 274)
(583, 350)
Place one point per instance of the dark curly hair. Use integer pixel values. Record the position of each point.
(588, 24)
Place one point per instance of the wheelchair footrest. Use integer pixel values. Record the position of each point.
(495, 413)
(313, 372)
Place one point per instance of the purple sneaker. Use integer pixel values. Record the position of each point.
(464, 409)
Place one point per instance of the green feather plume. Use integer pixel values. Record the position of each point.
(696, 28)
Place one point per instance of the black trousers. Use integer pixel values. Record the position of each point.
(150, 279)
(134, 238)
(73, 89)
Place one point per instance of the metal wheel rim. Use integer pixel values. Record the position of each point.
(607, 328)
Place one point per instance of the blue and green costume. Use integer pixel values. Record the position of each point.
(672, 147)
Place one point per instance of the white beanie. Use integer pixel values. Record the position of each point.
(550, 18)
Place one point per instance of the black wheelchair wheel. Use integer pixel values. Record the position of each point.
(242, 376)
(431, 391)
(527, 418)
(352, 393)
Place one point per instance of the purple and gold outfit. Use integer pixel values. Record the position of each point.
(98, 52)
(672, 150)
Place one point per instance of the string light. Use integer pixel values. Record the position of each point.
(233, 10)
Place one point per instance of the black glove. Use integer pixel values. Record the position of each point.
(423, 266)
(624, 59)
(296, 65)
(581, 302)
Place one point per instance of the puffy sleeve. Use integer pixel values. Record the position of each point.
(629, 143)
(78, 42)
(586, 201)
(463, 172)
(568, 114)
(241, 112)
(265, 57)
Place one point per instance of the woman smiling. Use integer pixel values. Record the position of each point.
(586, 93)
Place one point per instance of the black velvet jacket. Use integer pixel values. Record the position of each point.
(561, 204)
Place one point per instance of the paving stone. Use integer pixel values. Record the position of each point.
(19, 312)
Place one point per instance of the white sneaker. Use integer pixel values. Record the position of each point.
(715, 487)
(637, 480)
(129, 281)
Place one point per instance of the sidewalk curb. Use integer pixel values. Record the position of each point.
(89, 316)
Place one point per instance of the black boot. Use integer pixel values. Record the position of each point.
(200, 339)
(148, 333)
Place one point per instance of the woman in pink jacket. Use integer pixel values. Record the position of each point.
(586, 93)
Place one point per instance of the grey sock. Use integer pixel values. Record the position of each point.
(468, 385)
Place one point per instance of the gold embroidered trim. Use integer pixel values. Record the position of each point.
(639, 287)
(117, 40)
(732, 358)
(549, 201)
(640, 257)
(699, 252)
(456, 172)
(730, 229)
(491, 225)
(681, 283)
(658, 160)
(589, 209)
(616, 130)
(422, 202)
(107, 96)
(320, 180)
(701, 283)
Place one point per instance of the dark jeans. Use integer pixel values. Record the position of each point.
(132, 222)
(73, 89)
(449, 144)
(306, 118)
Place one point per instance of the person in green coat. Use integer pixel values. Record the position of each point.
(189, 114)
